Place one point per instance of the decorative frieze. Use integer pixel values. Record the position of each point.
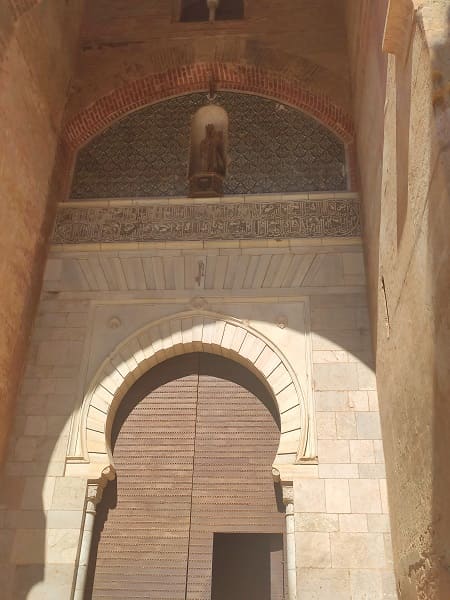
(291, 219)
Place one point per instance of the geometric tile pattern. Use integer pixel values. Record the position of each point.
(272, 148)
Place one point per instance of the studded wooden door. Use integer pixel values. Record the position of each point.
(194, 441)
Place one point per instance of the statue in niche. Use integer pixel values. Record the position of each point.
(212, 151)
(208, 159)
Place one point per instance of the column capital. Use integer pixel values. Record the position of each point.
(288, 494)
(95, 488)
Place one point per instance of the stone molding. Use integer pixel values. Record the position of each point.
(193, 331)
(148, 222)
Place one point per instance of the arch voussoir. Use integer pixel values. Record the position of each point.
(194, 78)
(180, 335)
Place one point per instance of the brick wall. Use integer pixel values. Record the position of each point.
(31, 108)
(297, 39)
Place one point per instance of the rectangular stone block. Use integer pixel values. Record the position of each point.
(366, 377)
(333, 318)
(368, 426)
(326, 425)
(366, 584)
(309, 496)
(334, 451)
(321, 522)
(365, 496)
(377, 471)
(62, 545)
(25, 519)
(25, 449)
(346, 426)
(59, 353)
(53, 583)
(357, 550)
(353, 340)
(337, 496)
(38, 493)
(378, 451)
(378, 523)
(361, 451)
(69, 493)
(331, 401)
(323, 584)
(335, 377)
(358, 400)
(312, 549)
(64, 519)
(353, 523)
(384, 496)
(373, 401)
(29, 547)
(35, 425)
(338, 471)
(330, 356)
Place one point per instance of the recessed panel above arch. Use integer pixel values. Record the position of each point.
(273, 148)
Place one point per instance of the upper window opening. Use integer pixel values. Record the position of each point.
(197, 10)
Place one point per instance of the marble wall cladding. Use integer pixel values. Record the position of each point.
(272, 148)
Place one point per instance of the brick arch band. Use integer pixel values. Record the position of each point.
(174, 336)
(196, 77)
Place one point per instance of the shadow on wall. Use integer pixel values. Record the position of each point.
(41, 431)
(413, 361)
(438, 267)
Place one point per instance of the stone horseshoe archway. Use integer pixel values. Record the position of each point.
(182, 334)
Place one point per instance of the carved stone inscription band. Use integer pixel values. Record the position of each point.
(215, 221)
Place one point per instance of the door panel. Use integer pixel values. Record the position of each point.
(194, 442)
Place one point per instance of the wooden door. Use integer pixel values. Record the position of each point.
(194, 441)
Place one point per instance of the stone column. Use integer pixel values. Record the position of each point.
(93, 497)
(94, 494)
(288, 500)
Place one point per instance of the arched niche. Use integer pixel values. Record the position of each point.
(208, 158)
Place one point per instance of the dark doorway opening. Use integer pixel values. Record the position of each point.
(247, 566)
(197, 10)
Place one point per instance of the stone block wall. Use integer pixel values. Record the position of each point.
(307, 297)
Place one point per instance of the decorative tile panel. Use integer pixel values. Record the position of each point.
(272, 148)
(222, 221)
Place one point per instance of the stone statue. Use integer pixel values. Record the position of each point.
(208, 162)
(212, 151)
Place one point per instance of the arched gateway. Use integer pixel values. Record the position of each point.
(194, 512)
(257, 381)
